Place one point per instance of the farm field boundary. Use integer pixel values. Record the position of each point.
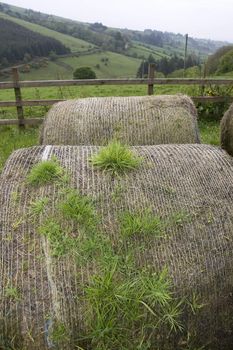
(150, 82)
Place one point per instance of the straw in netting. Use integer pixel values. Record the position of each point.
(142, 120)
(227, 131)
(81, 254)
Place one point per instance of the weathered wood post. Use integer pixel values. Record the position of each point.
(18, 97)
(151, 75)
(204, 76)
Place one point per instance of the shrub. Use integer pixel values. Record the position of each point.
(84, 73)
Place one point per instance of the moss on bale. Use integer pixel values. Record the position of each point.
(142, 120)
(107, 261)
(226, 128)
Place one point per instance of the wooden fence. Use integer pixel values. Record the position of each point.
(151, 81)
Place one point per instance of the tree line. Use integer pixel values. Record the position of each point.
(167, 65)
(221, 61)
(21, 44)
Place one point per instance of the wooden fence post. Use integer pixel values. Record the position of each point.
(151, 75)
(204, 76)
(18, 98)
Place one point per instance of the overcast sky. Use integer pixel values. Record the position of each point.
(210, 19)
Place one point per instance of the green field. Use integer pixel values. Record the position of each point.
(73, 43)
(141, 50)
(117, 66)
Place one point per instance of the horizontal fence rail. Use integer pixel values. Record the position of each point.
(150, 82)
(33, 103)
(27, 121)
(139, 81)
(28, 103)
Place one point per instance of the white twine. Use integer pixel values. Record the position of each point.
(45, 154)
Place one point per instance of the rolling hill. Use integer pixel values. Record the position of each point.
(91, 44)
(74, 44)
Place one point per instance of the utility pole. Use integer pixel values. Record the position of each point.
(185, 52)
(143, 68)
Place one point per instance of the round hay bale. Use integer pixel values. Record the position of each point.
(81, 253)
(226, 127)
(142, 120)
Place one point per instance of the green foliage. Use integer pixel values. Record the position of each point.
(59, 333)
(84, 73)
(15, 48)
(38, 206)
(226, 63)
(12, 138)
(167, 65)
(59, 239)
(52, 55)
(46, 172)
(74, 44)
(212, 64)
(215, 110)
(209, 131)
(126, 309)
(179, 218)
(116, 158)
(195, 303)
(144, 223)
(12, 293)
(192, 72)
(79, 209)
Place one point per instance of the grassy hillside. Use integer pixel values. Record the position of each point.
(73, 43)
(143, 51)
(113, 66)
(113, 39)
(123, 49)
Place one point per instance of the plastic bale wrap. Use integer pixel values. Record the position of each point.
(188, 187)
(143, 120)
(226, 128)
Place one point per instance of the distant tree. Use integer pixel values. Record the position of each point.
(84, 73)
(143, 68)
(226, 63)
(212, 64)
(98, 27)
(4, 62)
(167, 65)
(52, 56)
(27, 57)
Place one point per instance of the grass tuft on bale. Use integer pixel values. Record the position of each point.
(79, 209)
(144, 223)
(59, 240)
(38, 206)
(116, 158)
(129, 307)
(45, 172)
